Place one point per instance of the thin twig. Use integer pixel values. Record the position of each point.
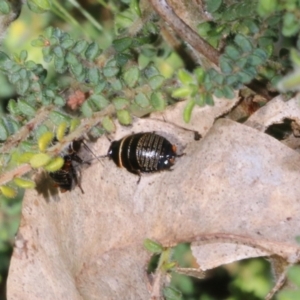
(200, 45)
(185, 32)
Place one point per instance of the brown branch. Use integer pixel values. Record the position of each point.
(85, 126)
(184, 31)
(200, 45)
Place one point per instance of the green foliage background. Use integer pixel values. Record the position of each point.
(61, 63)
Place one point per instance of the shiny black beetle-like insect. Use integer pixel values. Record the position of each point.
(144, 152)
(67, 177)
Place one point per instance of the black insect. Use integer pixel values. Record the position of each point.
(144, 152)
(67, 177)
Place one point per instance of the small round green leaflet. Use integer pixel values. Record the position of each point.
(156, 82)
(108, 124)
(266, 7)
(92, 51)
(24, 183)
(185, 77)
(182, 92)
(142, 100)
(39, 6)
(124, 117)
(131, 76)
(25, 157)
(55, 164)
(120, 103)
(61, 130)
(44, 140)
(4, 7)
(74, 124)
(157, 101)
(122, 44)
(172, 294)
(168, 266)
(25, 108)
(8, 191)
(153, 246)
(39, 160)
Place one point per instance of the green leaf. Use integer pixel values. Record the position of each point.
(151, 71)
(55, 164)
(124, 117)
(117, 85)
(209, 100)
(213, 5)
(67, 44)
(58, 117)
(266, 7)
(156, 82)
(185, 77)
(58, 51)
(251, 25)
(71, 58)
(110, 71)
(122, 58)
(255, 60)
(25, 157)
(200, 75)
(40, 160)
(92, 51)
(77, 69)
(59, 101)
(121, 103)
(99, 100)
(39, 6)
(225, 65)
(233, 52)
(243, 43)
(80, 47)
(61, 130)
(218, 92)
(244, 77)
(290, 24)
(44, 140)
(171, 293)
(290, 82)
(86, 109)
(157, 101)
(200, 99)
(131, 76)
(4, 7)
(59, 64)
(24, 183)
(182, 92)
(108, 124)
(122, 44)
(228, 92)
(13, 107)
(187, 112)
(8, 191)
(153, 246)
(26, 108)
(142, 100)
(99, 88)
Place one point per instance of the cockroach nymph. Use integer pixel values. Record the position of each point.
(144, 152)
(67, 177)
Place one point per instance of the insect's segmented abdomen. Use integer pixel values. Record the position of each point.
(143, 152)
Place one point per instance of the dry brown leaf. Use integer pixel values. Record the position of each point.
(237, 186)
